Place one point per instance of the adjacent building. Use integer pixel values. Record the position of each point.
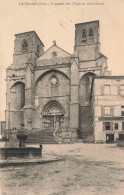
(108, 108)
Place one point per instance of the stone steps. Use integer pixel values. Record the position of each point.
(41, 136)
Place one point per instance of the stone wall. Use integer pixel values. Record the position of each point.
(86, 123)
(35, 71)
(20, 153)
(17, 97)
(43, 95)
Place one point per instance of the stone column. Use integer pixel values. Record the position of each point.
(74, 104)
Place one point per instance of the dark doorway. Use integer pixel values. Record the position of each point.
(121, 136)
(53, 121)
(109, 138)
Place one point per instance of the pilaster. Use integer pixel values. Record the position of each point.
(29, 109)
(74, 104)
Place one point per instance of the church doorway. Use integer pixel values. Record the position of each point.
(53, 115)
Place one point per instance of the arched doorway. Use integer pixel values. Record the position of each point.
(53, 115)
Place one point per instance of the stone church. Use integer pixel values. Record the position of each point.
(48, 92)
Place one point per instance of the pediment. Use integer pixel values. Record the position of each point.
(54, 52)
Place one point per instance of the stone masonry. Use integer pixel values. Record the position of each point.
(51, 90)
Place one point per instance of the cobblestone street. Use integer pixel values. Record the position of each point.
(86, 169)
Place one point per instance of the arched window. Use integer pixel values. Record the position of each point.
(24, 46)
(91, 35)
(53, 85)
(38, 49)
(84, 37)
(85, 88)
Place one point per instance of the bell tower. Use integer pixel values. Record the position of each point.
(27, 46)
(87, 40)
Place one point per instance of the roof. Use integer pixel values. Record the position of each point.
(30, 32)
(95, 21)
(103, 77)
(54, 48)
(102, 55)
(10, 67)
(108, 77)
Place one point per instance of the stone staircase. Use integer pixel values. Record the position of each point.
(44, 136)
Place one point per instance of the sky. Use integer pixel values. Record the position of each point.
(56, 22)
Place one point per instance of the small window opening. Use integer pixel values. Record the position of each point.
(91, 35)
(84, 37)
(24, 46)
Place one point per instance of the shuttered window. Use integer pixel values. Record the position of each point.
(107, 126)
(106, 111)
(106, 89)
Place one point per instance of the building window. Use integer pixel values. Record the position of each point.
(107, 111)
(54, 54)
(116, 126)
(106, 89)
(106, 126)
(122, 110)
(24, 46)
(122, 89)
(84, 37)
(122, 125)
(91, 35)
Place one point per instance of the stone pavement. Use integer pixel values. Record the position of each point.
(85, 169)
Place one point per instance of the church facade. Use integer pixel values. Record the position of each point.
(48, 93)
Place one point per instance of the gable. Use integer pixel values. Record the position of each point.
(54, 52)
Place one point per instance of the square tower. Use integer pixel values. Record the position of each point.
(87, 40)
(27, 46)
